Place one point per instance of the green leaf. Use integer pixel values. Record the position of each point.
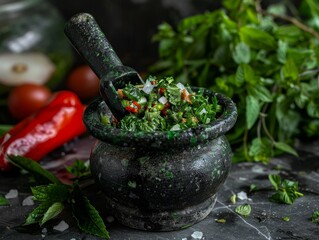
(282, 51)
(286, 219)
(34, 168)
(252, 110)
(241, 53)
(88, 218)
(79, 169)
(4, 201)
(253, 188)
(313, 109)
(275, 180)
(290, 70)
(260, 92)
(260, 150)
(233, 198)
(315, 217)
(51, 193)
(240, 76)
(286, 148)
(257, 38)
(54, 210)
(37, 214)
(243, 210)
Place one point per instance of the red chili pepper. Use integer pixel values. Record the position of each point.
(131, 109)
(137, 105)
(37, 135)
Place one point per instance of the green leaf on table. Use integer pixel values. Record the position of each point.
(315, 217)
(286, 190)
(54, 210)
(252, 110)
(37, 214)
(39, 173)
(51, 193)
(285, 148)
(78, 169)
(260, 92)
(286, 219)
(243, 210)
(233, 198)
(253, 188)
(88, 219)
(4, 201)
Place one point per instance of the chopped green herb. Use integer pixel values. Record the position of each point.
(79, 169)
(221, 220)
(163, 105)
(253, 188)
(243, 210)
(286, 219)
(233, 198)
(286, 190)
(3, 201)
(315, 217)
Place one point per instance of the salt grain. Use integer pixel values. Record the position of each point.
(162, 100)
(28, 201)
(62, 226)
(242, 195)
(13, 193)
(257, 169)
(197, 235)
(110, 219)
(44, 230)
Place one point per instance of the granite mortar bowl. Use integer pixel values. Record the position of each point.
(160, 181)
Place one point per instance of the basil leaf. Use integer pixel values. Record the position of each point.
(54, 210)
(275, 180)
(88, 218)
(252, 110)
(37, 214)
(4, 201)
(286, 148)
(243, 210)
(34, 168)
(78, 169)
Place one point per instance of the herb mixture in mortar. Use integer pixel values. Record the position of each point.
(162, 105)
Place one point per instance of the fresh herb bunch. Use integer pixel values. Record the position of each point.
(162, 105)
(53, 195)
(265, 60)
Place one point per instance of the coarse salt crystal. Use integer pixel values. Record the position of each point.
(148, 87)
(13, 193)
(44, 230)
(197, 235)
(28, 201)
(62, 226)
(242, 195)
(110, 219)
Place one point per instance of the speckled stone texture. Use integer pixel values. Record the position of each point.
(161, 181)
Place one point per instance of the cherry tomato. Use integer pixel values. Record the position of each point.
(27, 99)
(84, 82)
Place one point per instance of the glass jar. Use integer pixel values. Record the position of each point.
(31, 34)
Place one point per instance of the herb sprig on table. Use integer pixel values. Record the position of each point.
(53, 195)
(265, 60)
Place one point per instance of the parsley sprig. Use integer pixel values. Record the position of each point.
(53, 195)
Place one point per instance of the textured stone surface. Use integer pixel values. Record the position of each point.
(265, 221)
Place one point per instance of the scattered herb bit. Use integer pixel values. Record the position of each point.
(253, 188)
(132, 184)
(286, 190)
(221, 220)
(243, 210)
(286, 219)
(315, 217)
(79, 169)
(163, 105)
(54, 196)
(233, 199)
(4, 201)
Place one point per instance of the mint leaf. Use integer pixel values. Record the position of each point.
(315, 217)
(88, 218)
(34, 168)
(286, 190)
(37, 214)
(54, 210)
(3, 201)
(51, 193)
(243, 210)
(252, 110)
(257, 38)
(241, 53)
(286, 148)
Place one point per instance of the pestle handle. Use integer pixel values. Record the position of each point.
(91, 43)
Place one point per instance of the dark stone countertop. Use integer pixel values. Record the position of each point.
(265, 221)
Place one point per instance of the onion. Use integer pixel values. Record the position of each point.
(162, 100)
(176, 127)
(148, 87)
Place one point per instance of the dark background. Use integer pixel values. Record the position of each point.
(130, 24)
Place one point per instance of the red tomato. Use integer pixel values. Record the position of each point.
(84, 82)
(27, 99)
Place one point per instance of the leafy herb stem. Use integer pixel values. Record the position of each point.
(264, 125)
(245, 144)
